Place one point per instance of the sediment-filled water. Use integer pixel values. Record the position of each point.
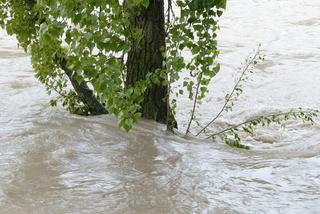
(54, 162)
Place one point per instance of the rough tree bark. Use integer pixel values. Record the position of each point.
(145, 56)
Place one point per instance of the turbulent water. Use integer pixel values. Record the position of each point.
(54, 162)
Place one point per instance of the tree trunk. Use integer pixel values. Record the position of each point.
(84, 92)
(145, 57)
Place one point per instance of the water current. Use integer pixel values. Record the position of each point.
(54, 162)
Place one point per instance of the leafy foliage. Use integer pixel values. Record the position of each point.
(86, 44)
(231, 135)
(237, 89)
(94, 37)
(194, 32)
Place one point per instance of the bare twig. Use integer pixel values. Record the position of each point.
(258, 118)
(232, 92)
(194, 104)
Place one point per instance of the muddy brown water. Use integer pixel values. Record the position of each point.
(54, 162)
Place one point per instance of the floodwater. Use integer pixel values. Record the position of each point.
(54, 162)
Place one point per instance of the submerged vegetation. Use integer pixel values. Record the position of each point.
(122, 58)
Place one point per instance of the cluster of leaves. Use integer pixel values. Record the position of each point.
(237, 90)
(248, 68)
(88, 41)
(231, 135)
(91, 36)
(194, 32)
(16, 17)
(94, 37)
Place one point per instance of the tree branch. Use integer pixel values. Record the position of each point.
(231, 94)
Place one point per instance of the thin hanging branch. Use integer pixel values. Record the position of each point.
(246, 68)
(170, 13)
(194, 104)
(305, 115)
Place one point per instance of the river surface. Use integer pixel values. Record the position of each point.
(54, 162)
